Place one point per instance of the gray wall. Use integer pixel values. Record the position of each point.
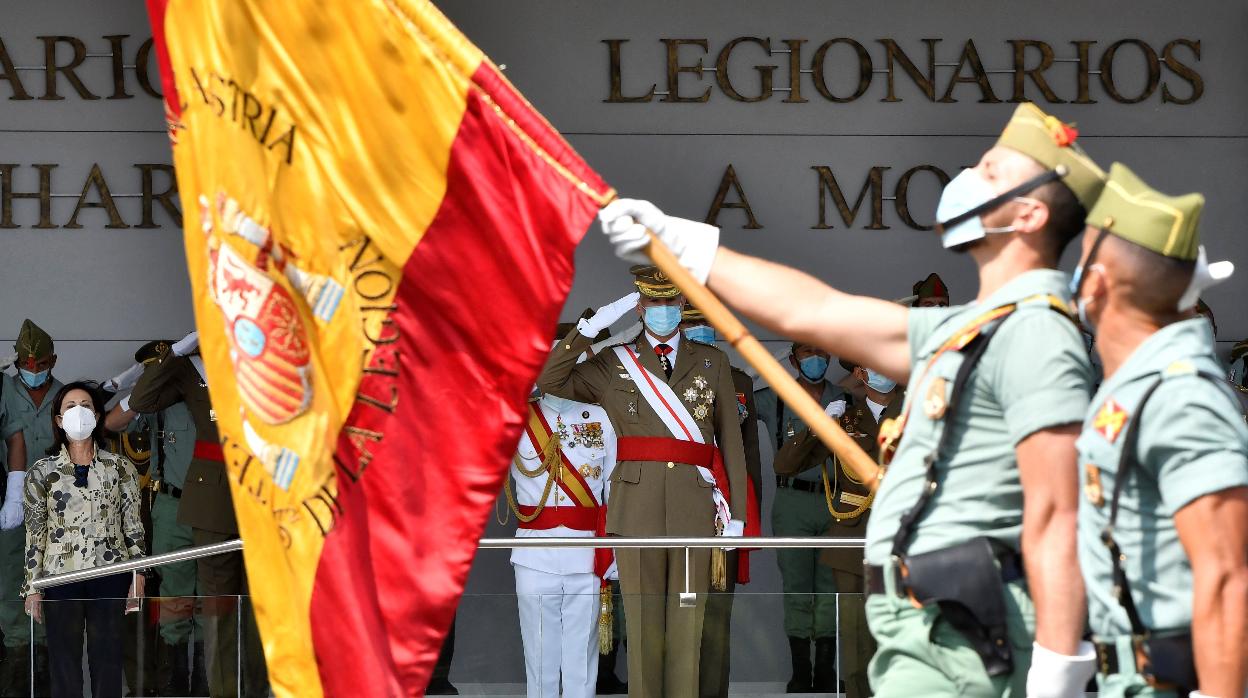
(101, 291)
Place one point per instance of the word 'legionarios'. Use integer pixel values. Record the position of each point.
(843, 69)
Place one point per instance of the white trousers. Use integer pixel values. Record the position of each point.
(559, 629)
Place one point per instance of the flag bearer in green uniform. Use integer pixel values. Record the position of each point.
(28, 416)
(1163, 525)
(798, 509)
(964, 572)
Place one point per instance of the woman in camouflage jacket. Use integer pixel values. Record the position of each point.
(82, 511)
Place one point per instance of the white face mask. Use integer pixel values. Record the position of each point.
(78, 423)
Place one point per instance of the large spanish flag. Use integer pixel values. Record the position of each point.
(379, 233)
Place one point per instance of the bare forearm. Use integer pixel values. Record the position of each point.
(1052, 564)
(796, 305)
(1220, 629)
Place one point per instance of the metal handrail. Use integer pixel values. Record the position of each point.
(138, 563)
(230, 546)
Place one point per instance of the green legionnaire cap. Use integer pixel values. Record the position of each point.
(33, 342)
(931, 287)
(1051, 143)
(1134, 211)
(151, 351)
(652, 282)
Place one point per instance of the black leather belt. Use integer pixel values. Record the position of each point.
(1159, 655)
(793, 483)
(1010, 561)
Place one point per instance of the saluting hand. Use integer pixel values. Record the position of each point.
(607, 315)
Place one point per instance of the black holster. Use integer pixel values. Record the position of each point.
(1171, 660)
(966, 583)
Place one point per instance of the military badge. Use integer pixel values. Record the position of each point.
(934, 404)
(588, 435)
(742, 413)
(585, 414)
(1110, 420)
(701, 397)
(706, 363)
(1092, 484)
(632, 408)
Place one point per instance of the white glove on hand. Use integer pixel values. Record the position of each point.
(606, 316)
(624, 221)
(7, 360)
(613, 572)
(735, 528)
(835, 409)
(124, 380)
(187, 344)
(11, 513)
(1198, 694)
(1054, 675)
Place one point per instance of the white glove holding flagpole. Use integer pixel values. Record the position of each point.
(125, 380)
(186, 345)
(1054, 675)
(606, 316)
(624, 221)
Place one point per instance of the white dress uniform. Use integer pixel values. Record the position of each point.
(557, 589)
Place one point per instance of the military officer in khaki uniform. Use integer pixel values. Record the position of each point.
(680, 471)
(870, 398)
(1163, 525)
(946, 526)
(172, 438)
(177, 376)
(716, 663)
(27, 406)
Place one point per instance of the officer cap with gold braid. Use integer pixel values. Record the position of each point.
(652, 282)
(1134, 211)
(33, 342)
(1050, 142)
(691, 314)
(151, 351)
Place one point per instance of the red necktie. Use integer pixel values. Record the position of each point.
(663, 350)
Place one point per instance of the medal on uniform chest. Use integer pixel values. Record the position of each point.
(934, 404)
(706, 362)
(632, 408)
(212, 415)
(588, 435)
(1092, 484)
(701, 397)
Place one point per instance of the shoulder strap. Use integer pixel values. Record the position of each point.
(1126, 462)
(972, 352)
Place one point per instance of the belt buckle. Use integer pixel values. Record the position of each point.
(1144, 664)
(1102, 658)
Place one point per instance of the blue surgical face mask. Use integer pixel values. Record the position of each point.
(33, 379)
(963, 193)
(662, 320)
(880, 383)
(813, 368)
(703, 334)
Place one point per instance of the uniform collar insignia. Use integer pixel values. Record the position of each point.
(1110, 420)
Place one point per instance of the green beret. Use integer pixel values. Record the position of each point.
(1051, 143)
(652, 282)
(1132, 210)
(33, 342)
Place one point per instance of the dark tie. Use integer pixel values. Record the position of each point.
(663, 350)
